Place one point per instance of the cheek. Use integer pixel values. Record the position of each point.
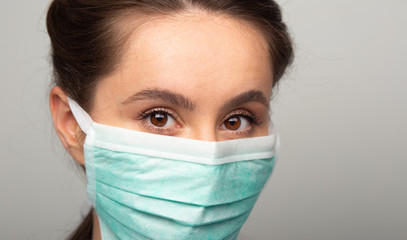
(263, 130)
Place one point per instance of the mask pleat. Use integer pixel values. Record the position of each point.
(152, 226)
(182, 213)
(118, 230)
(180, 181)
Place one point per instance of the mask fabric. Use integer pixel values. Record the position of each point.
(149, 186)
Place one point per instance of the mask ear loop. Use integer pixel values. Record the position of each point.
(273, 130)
(85, 123)
(81, 116)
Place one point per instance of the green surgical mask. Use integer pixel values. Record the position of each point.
(149, 186)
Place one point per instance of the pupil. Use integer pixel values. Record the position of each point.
(159, 119)
(233, 123)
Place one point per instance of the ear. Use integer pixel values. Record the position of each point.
(65, 124)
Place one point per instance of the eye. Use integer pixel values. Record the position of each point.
(161, 119)
(236, 123)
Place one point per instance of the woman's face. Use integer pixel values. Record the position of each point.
(196, 76)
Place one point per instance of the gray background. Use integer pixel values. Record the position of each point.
(341, 113)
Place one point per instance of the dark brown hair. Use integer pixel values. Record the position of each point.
(88, 37)
(87, 42)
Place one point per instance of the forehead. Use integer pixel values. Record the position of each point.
(194, 51)
(199, 35)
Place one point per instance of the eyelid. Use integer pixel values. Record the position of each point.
(144, 114)
(253, 118)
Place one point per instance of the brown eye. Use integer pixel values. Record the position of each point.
(233, 123)
(159, 119)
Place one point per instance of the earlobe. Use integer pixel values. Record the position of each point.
(65, 124)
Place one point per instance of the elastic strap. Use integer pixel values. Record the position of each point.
(82, 117)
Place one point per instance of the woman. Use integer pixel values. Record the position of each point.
(166, 105)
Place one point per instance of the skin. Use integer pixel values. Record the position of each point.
(199, 72)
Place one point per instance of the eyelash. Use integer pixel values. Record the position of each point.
(251, 117)
(143, 116)
(146, 114)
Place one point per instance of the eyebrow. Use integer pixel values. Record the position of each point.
(184, 102)
(249, 96)
(164, 95)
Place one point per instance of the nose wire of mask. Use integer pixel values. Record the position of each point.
(148, 186)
